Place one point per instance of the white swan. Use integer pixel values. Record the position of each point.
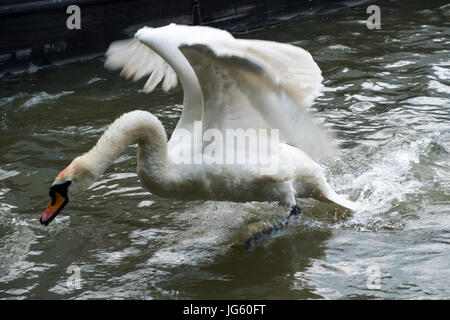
(228, 83)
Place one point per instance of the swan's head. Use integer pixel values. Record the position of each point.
(71, 181)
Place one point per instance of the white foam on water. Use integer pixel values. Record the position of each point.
(388, 183)
(44, 96)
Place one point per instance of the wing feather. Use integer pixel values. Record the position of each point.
(137, 61)
(257, 79)
(228, 82)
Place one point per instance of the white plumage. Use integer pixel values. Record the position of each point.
(228, 83)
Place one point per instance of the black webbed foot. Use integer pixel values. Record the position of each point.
(260, 236)
(295, 211)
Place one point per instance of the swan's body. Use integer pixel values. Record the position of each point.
(228, 84)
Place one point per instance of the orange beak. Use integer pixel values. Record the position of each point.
(56, 204)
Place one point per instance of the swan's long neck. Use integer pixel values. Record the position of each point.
(134, 127)
(159, 40)
(192, 94)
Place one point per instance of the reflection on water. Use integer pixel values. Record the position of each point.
(387, 99)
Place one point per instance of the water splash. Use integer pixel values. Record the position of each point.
(386, 185)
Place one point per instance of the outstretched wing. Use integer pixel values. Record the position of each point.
(230, 83)
(260, 84)
(293, 67)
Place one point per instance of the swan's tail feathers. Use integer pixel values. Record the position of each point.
(342, 201)
(327, 194)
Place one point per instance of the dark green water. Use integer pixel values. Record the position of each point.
(387, 99)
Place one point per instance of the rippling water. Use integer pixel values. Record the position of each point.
(386, 98)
